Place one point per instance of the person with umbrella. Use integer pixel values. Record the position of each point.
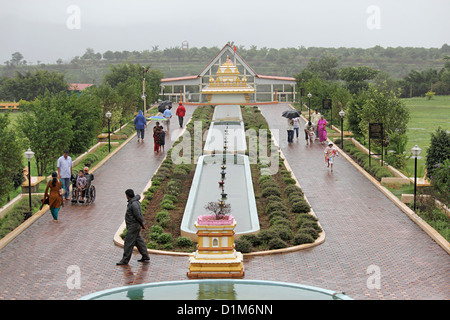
(290, 115)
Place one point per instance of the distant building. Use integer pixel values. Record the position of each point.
(192, 88)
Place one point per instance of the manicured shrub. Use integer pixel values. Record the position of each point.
(311, 231)
(300, 207)
(164, 238)
(277, 243)
(156, 229)
(309, 224)
(253, 238)
(302, 238)
(275, 206)
(243, 245)
(306, 216)
(167, 204)
(283, 232)
(276, 221)
(152, 245)
(271, 191)
(267, 235)
(278, 214)
(184, 242)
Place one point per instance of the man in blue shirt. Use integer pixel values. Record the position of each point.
(167, 114)
(140, 124)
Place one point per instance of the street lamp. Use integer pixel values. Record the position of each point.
(342, 114)
(415, 151)
(309, 106)
(29, 155)
(108, 116)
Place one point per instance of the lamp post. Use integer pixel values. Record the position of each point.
(108, 116)
(415, 151)
(342, 114)
(29, 155)
(309, 106)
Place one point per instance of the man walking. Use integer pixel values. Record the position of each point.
(64, 165)
(140, 123)
(181, 112)
(134, 221)
(167, 114)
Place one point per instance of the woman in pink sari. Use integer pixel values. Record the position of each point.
(322, 128)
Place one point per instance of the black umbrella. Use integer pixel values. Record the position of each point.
(163, 105)
(291, 114)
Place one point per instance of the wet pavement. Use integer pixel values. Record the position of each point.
(372, 249)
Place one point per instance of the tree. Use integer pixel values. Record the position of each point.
(11, 157)
(439, 150)
(47, 129)
(28, 86)
(384, 107)
(357, 77)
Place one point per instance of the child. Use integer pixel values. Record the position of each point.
(81, 184)
(309, 133)
(162, 139)
(330, 153)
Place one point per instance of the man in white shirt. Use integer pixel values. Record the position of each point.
(64, 165)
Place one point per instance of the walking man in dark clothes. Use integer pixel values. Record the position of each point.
(134, 221)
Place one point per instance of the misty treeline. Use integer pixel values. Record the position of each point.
(415, 70)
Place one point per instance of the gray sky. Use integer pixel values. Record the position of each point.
(46, 30)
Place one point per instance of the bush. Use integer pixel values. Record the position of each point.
(152, 245)
(184, 242)
(277, 221)
(167, 204)
(268, 191)
(173, 187)
(302, 238)
(283, 232)
(300, 207)
(309, 224)
(163, 218)
(275, 206)
(254, 239)
(438, 151)
(243, 245)
(156, 229)
(267, 235)
(311, 231)
(278, 214)
(277, 243)
(164, 238)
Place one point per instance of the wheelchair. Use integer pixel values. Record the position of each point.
(88, 192)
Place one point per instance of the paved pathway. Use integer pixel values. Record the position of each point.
(362, 226)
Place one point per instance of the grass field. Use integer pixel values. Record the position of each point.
(426, 117)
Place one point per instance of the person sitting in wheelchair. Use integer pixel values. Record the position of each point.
(81, 186)
(89, 176)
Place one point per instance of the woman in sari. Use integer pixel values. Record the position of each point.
(54, 198)
(322, 128)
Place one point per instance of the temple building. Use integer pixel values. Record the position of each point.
(228, 79)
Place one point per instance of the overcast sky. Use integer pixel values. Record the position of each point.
(46, 30)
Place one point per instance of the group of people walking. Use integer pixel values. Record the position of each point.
(315, 128)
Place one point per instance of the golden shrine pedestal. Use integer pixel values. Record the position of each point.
(215, 256)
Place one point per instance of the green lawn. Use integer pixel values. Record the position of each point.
(426, 117)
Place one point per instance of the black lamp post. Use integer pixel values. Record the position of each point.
(342, 114)
(29, 155)
(108, 116)
(415, 151)
(309, 106)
